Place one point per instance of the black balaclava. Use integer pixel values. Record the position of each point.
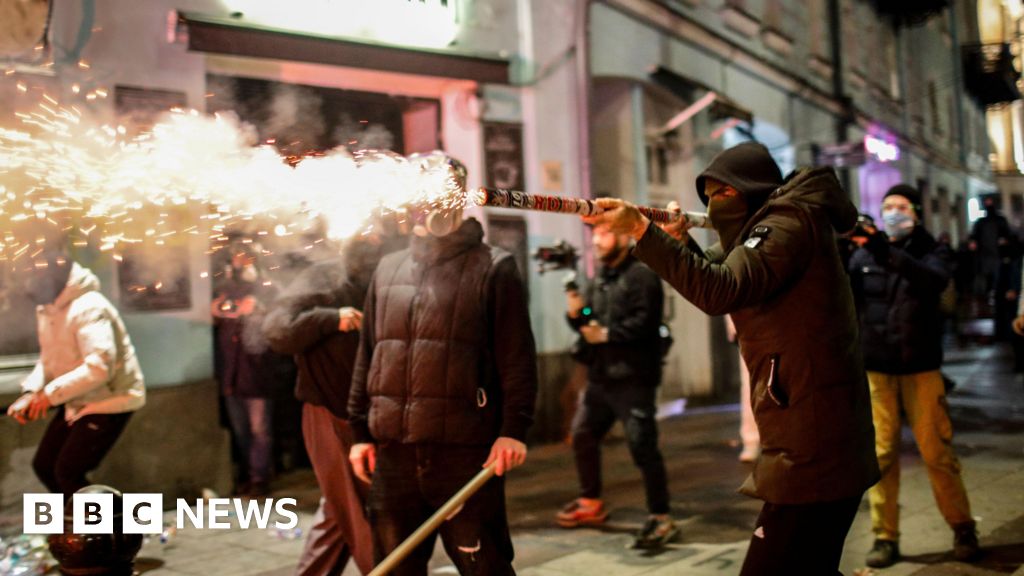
(43, 284)
(751, 170)
(728, 215)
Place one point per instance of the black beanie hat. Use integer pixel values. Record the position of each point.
(908, 192)
(747, 167)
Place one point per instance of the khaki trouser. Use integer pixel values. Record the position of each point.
(923, 398)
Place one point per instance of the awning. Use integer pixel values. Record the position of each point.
(700, 96)
(225, 35)
(990, 73)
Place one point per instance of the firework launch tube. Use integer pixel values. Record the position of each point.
(501, 198)
(446, 511)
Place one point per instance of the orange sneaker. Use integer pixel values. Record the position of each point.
(576, 513)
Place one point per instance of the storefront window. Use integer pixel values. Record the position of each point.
(299, 119)
(17, 316)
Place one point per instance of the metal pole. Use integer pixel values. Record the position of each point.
(449, 509)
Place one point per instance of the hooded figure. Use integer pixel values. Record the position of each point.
(87, 369)
(777, 271)
(86, 359)
(779, 274)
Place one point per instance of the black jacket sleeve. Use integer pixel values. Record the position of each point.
(581, 320)
(296, 324)
(358, 398)
(299, 320)
(928, 273)
(513, 349)
(747, 276)
(860, 259)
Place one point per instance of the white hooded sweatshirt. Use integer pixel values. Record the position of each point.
(86, 359)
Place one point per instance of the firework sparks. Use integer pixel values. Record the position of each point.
(100, 184)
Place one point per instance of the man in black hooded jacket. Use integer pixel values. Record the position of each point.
(778, 273)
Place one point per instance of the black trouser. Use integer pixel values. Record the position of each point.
(68, 451)
(633, 404)
(800, 539)
(412, 481)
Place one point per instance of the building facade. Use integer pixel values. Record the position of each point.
(573, 97)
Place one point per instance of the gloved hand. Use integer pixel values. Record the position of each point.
(878, 246)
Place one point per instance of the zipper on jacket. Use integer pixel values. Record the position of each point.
(408, 355)
(774, 392)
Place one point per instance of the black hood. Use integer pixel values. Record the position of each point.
(818, 189)
(747, 167)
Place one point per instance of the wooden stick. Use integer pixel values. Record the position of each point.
(434, 522)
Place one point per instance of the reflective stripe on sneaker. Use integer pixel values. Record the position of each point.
(656, 533)
(576, 514)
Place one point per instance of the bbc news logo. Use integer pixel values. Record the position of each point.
(144, 513)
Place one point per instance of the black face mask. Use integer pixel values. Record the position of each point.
(728, 215)
(43, 286)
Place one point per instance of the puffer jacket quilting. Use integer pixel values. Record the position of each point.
(429, 368)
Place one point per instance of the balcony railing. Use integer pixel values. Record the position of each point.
(910, 12)
(990, 74)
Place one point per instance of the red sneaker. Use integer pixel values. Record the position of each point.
(576, 513)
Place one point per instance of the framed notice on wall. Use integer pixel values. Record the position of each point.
(140, 108)
(509, 234)
(503, 155)
(154, 279)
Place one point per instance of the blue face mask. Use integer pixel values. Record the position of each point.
(898, 225)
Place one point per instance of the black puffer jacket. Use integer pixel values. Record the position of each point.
(304, 322)
(628, 300)
(898, 304)
(446, 353)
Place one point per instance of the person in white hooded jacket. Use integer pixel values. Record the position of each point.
(87, 369)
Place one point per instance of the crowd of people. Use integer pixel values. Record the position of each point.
(412, 357)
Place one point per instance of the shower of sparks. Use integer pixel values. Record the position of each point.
(196, 175)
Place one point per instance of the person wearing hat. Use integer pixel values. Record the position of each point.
(777, 272)
(898, 277)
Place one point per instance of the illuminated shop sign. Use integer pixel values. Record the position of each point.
(881, 150)
(418, 23)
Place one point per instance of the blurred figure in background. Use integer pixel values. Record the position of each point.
(317, 319)
(618, 318)
(898, 278)
(246, 368)
(990, 233)
(1007, 288)
(1018, 323)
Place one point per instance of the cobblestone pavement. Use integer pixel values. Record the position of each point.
(700, 450)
